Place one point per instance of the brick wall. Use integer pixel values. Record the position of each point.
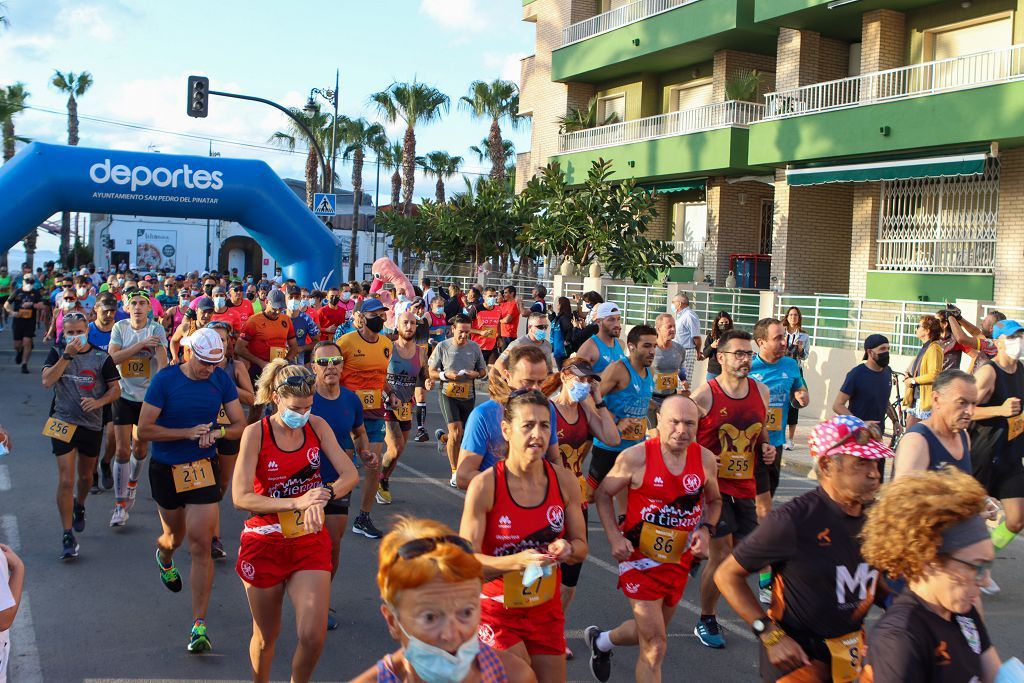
(733, 227)
(731, 63)
(864, 240)
(804, 57)
(833, 59)
(660, 227)
(1009, 270)
(883, 40)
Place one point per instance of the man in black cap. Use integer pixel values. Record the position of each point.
(866, 389)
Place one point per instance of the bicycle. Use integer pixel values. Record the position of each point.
(896, 408)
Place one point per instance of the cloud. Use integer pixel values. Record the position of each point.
(458, 15)
(505, 66)
(91, 20)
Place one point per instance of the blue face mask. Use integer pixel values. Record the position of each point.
(294, 305)
(293, 419)
(220, 302)
(435, 665)
(83, 339)
(579, 391)
(490, 301)
(541, 335)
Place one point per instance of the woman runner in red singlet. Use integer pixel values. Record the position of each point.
(525, 516)
(284, 545)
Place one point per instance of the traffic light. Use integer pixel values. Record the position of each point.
(198, 96)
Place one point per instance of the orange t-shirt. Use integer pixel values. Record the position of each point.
(365, 370)
(268, 339)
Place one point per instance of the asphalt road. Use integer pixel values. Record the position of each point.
(106, 616)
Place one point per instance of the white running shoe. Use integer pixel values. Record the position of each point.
(789, 444)
(453, 481)
(132, 490)
(765, 596)
(120, 516)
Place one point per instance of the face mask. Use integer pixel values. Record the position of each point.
(541, 335)
(195, 293)
(293, 419)
(585, 308)
(67, 305)
(334, 300)
(438, 312)
(3, 449)
(1012, 347)
(403, 298)
(345, 296)
(294, 305)
(490, 301)
(435, 665)
(883, 359)
(82, 339)
(120, 281)
(375, 325)
(208, 289)
(220, 302)
(250, 296)
(248, 280)
(27, 287)
(579, 391)
(81, 291)
(183, 301)
(465, 311)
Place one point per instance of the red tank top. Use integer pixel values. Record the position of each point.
(512, 528)
(666, 501)
(284, 474)
(574, 442)
(731, 430)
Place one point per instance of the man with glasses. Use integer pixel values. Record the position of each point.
(536, 334)
(138, 346)
(823, 587)
(168, 296)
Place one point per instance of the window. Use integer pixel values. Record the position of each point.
(609, 107)
(969, 38)
(689, 230)
(691, 95)
(767, 232)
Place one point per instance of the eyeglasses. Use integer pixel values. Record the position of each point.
(981, 570)
(329, 360)
(739, 354)
(297, 381)
(207, 363)
(219, 325)
(422, 546)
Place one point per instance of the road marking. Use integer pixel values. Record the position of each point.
(24, 662)
(5, 478)
(739, 629)
(9, 532)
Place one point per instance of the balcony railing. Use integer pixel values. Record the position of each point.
(708, 117)
(609, 21)
(689, 252)
(957, 73)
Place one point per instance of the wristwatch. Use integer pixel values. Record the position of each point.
(66, 356)
(329, 488)
(760, 626)
(600, 405)
(710, 527)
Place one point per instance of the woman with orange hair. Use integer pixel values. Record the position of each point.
(430, 582)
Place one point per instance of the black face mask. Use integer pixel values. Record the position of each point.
(375, 325)
(882, 359)
(208, 289)
(250, 296)
(334, 300)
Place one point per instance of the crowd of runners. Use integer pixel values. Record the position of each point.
(297, 404)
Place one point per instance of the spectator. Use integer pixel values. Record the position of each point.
(687, 331)
(721, 325)
(917, 397)
(561, 329)
(797, 344)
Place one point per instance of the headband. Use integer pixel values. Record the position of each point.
(962, 534)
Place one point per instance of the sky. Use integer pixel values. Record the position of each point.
(140, 54)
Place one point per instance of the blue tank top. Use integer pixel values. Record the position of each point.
(937, 453)
(607, 354)
(631, 402)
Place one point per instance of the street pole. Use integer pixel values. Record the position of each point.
(376, 208)
(334, 129)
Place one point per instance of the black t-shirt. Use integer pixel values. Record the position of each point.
(821, 586)
(868, 391)
(452, 308)
(25, 301)
(912, 643)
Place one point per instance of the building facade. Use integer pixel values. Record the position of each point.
(877, 152)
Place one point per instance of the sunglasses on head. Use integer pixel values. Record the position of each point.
(219, 325)
(422, 546)
(329, 360)
(73, 317)
(862, 436)
(207, 363)
(296, 381)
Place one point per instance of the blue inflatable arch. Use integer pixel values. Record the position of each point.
(45, 179)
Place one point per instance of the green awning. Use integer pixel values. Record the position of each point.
(892, 169)
(684, 185)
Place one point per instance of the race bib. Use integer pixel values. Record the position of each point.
(662, 544)
(135, 368)
(56, 429)
(665, 382)
(278, 352)
(403, 413)
(222, 417)
(633, 428)
(735, 465)
(193, 475)
(25, 313)
(292, 525)
(774, 419)
(370, 398)
(1015, 425)
(456, 389)
(518, 596)
(846, 656)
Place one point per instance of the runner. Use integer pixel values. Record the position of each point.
(524, 515)
(672, 504)
(406, 366)
(192, 319)
(179, 416)
(84, 381)
(941, 439)
(814, 628)
(224, 313)
(933, 631)
(265, 337)
(307, 333)
(424, 568)
(238, 303)
(627, 386)
(5, 294)
(138, 346)
(12, 581)
(24, 306)
(537, 326)
(604, 347)
(733, 416)
(332, 316)
(423, 381)
(284, 546)
(486, 317)
(668, 366)
(456, 363)
(508, 330)
(99, 336)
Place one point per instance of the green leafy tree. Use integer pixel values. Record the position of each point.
(358, 135)
(496, 101)
(440, 165)
(319, 123)
(12, 103)
(74, 85)
(483, 151)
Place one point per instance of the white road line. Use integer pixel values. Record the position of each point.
(5, 478)
(24, 663)
(9, 532)
(737, 628)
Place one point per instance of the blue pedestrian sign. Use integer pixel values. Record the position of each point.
(325, 204)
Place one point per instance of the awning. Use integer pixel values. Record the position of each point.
(892, 169)
(684, 185)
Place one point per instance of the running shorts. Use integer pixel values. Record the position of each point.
(265, 562)
(1002, 480)
(161, 483)
(228, 446)
(739, 517)
(541, 629)
(374, 430)
(406, 425)
(22, 328)
(661, 582)
(108, 414)
(126, 412)
(601, 462)
(571, 572)
(767, 476)
(456, 409)
(88, 442)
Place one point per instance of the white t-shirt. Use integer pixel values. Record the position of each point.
(6, 602)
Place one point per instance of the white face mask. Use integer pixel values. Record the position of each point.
(82, 291)
(1012, 346)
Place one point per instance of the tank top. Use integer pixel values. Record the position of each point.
(403, 372)
(438, 327)
(512, 528)
(731, 430)
(630, 403)
(283, 474)
(1000, 437)
(937, 453)
(663, 513)
(574, 441)
(607, 354)
(491, 668)
(665, 367)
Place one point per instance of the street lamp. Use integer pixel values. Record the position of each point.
(331, 96)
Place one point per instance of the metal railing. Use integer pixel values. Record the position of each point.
(572, 287)
(744, 305)
(639, 304)
(708, 117)
(956, 73)
(617, 18)
(689, 251)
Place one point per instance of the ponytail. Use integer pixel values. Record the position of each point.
(275, 372)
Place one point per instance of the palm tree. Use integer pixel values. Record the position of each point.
(582, 119)
(12, 102)
(358, 135)
(414, 103)
(483, 152)
(391, 159)
(442, 166)
(4, 22)
(320, 124)
(497, 101)
(75, 85)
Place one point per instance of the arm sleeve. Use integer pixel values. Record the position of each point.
(772, 542)
(115, 336)
(481, 364)
(161, 334)
(314, 331)
(291, 329)
(247, 330)
(357, 412)
(51, 358)
(849, 384)
(434, 361)
(109, 371)
(228, 390)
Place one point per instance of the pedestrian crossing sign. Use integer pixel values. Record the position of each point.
(325, 204)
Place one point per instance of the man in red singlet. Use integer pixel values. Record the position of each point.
(672, 505)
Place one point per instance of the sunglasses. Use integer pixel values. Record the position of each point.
(296, 381)
(422, 546)
(138, 293)
(72, 317)
(329, 360)
(862, 436)
(207, 363)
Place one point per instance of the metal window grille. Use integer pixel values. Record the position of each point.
(940, 225)
(767, 225)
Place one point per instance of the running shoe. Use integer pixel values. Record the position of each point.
(364, 525)
(170, 577)
(78, 517)
(70, 550)
(569, 654)
(332, 621)
(133, 487)
(990, 588)
(217, 551)
(198, 642)
(120, 516)
(383, 494)
(765, 595)
(454, 481)
(421, 435)
(708, 633)
(439, 435)
(600, 662)
(24, 369)
(789, 444)
(106, 475)
(95, 490)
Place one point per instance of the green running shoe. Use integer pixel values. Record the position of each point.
(198, 642)
(169, 575)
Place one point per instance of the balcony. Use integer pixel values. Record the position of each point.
(971, 99)
(700, 140)
(840, 21)
(617, 18)
(689, 252)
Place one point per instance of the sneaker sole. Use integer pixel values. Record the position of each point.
(591, 641)
(364, 533)
(200, 646)
(70, 556)
(381, 500)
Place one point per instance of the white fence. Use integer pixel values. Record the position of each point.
(743, 305)
(640, 305)
(689, 252)
(708, 117)
(956, 73)
(617, 18)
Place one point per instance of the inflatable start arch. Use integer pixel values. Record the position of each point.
(45, 179)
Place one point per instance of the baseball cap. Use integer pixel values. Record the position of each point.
(205, 303)
(276, 300)
(294, 291)
(606, 310)
(838, 436)
(370, 305)
(583, 370)
(1006, 328)
(205, 344)
(873, 342)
